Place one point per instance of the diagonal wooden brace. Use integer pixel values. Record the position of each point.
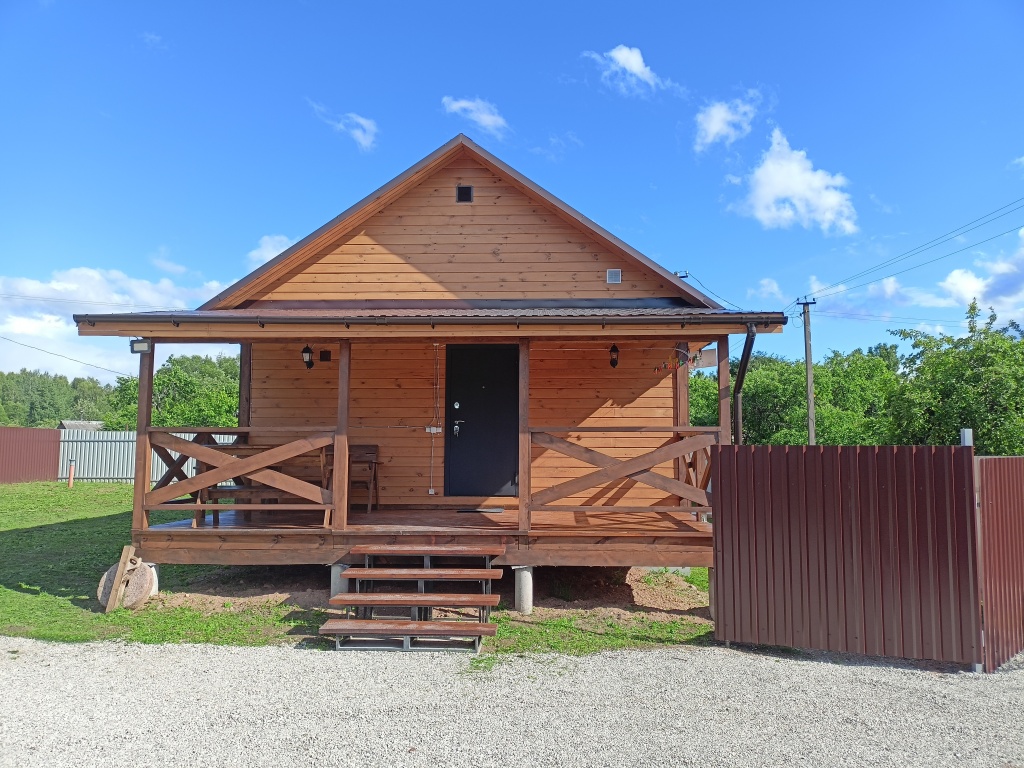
(635, 468)
(227, 467)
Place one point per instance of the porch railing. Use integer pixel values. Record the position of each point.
(242, 464)
(690, 453)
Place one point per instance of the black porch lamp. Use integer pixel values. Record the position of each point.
(613, 356)
(307, 356)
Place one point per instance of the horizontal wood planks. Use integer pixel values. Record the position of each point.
(863, 549)
(502, 245)
(393, 401)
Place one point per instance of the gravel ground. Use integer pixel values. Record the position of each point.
(114, 704)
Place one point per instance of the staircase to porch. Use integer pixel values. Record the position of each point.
(411, 597)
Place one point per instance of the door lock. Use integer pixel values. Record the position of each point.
(455, 428)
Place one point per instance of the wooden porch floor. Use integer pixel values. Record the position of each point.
(432, 521)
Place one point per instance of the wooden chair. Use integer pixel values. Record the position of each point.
(369, 456)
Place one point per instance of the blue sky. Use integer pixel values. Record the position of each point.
(151, 153)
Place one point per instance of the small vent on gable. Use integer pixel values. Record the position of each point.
(325, 355)
(463, 194)
(614, 276)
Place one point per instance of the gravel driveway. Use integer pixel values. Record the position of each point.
(113, 704)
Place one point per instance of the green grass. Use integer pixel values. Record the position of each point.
(698, 577)
(55, 543)
(578, 636)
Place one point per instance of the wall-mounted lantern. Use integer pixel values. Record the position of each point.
(141, 345)
(613, 356)
(307, 356)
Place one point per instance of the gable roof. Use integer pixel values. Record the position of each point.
(461, 145)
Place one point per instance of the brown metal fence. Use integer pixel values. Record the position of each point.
(28, 454)
(1001, 517)
(859, 549)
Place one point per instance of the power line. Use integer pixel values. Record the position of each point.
(917, 266)
(82, 301)
(923, 247)
(930, 244)
(72, 359)
(887, 319)
(720, 298)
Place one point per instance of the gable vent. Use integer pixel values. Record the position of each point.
(614, 276)
(463, 194)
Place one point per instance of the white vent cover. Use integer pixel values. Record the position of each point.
(614, 276)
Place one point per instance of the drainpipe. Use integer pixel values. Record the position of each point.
(737, 408)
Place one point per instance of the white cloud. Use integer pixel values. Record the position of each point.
(361, 129)
(767, 288)
(1018, 161)
(731, 178)
(161, 261)
(38, 313)
(624, 69)
(483, 113)
(557, 145)
(269, 247)
(725, 121)
(153, 41)
(786, 189)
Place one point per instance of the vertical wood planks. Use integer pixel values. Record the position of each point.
(724, 420)
(859, 549)
(525, 446)
(339, 520)
(143, 453)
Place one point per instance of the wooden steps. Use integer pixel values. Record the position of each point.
(375, 593)
(422, 574)
(456, 550)
(357, 628)
(412, 599)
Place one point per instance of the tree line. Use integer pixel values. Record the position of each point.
(873, 397)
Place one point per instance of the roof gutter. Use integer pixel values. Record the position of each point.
(741, 375)
(751, 320)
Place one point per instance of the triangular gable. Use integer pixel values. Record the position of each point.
(412, 240)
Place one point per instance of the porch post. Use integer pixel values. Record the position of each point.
(339, 519)
(143, 452)
(525, 454)
(681, 404)
(724, 420)
(244, 385)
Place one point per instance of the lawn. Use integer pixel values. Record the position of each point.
(56, 542)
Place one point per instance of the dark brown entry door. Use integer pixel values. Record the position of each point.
(481, 447)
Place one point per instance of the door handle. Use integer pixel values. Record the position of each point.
(455, 428)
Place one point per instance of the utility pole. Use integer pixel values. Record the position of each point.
(811, 437)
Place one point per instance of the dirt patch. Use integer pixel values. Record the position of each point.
(243, 588)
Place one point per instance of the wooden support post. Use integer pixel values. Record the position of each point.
(340, 472)
(245, 385)
(681, 404)
(724, 413)
(525, 450)
(143, 452)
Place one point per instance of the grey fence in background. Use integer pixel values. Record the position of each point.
(110, 456)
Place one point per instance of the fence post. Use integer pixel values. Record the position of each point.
(71, 474)
(967, 441)
(967, 437)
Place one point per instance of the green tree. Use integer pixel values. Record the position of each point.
(191, 390)
(974, 381)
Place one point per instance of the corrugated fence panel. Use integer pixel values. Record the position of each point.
(1001, 513)
(859, 549)
(110, 456)
(28, 454)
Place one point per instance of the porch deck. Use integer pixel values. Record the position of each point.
(606, 537)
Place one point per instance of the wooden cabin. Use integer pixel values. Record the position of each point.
(459, 359)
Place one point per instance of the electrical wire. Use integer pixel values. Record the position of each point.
(72, 359)
(81, 301)
(720, 298)
(846, 288)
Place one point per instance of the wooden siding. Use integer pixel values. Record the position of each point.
(503, 245)
(393, 400)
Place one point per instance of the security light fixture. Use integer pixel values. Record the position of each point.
(613, 356)
(307, 356)
(141, 345)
